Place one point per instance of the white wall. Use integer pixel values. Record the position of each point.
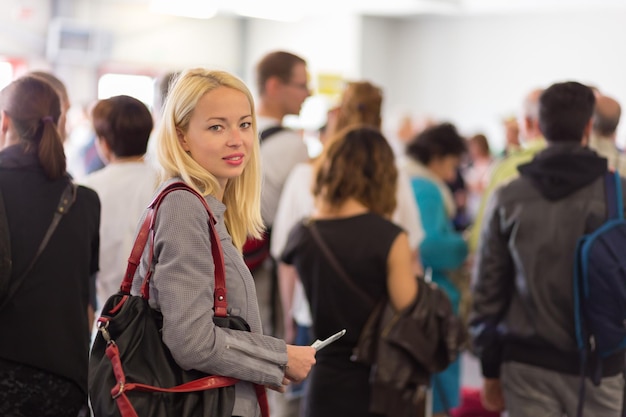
(143, 38)
(23, 27)
(475, 70)
(329, 44)
(471, 70)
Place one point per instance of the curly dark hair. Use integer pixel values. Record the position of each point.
(435, 142)
(358, 163)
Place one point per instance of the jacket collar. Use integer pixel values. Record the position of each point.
(562, 169)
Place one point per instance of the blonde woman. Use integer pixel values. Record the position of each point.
(208, 139)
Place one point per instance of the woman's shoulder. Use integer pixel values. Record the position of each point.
(424, 184)
(87, 197)
(371, 223)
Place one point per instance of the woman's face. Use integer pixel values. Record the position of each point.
(445, 167)
(220, 135)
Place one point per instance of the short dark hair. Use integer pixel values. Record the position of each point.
(436, 141)
(276, 64)
(564, 111)
(125, 123)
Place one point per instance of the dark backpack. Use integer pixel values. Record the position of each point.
(256, 251)
(600, 287)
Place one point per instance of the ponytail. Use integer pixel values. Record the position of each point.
(50, 150)
(35, 108)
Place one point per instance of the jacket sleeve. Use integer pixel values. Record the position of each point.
(493, 277)
(183, 286)
(442, 247)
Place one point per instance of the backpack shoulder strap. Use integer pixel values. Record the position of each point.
(266, 133)
(614, 199)
(67, 199)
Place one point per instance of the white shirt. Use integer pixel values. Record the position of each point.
(125, 190)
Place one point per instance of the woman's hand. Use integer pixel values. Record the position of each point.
(300, 360)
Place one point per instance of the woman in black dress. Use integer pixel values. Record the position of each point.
(354, 187)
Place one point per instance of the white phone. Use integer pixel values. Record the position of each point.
(321, 344)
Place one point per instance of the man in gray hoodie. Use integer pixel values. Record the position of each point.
(523, 315)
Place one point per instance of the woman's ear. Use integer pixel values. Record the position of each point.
(182, 140)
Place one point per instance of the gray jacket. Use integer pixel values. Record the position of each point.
(182, 287)
(523, 296)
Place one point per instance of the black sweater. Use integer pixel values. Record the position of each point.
(45, 324)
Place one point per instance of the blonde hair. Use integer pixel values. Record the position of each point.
(242, 195)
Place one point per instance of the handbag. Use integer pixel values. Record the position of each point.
(132, 372)
(414, 344)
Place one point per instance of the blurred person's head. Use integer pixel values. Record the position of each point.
(606, 116)
(361, 104)
(358, 164)
(198, 142)
(122, 125)
(511, 133)
(478, 147)
(283, 84)
(529, 119)
(30, 110)
(61, 90)
(565, 112)
(162, 86)
(439, 148)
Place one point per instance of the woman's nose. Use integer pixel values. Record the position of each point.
(235, 138)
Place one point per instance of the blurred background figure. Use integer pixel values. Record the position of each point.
(355, 195)
(506, 169)
(606, 118)
(283, 85)
(511, 136)
(52, 230)
(477, 172)
(361, 105)
(125, 185)
(162, 86)
(434, 158)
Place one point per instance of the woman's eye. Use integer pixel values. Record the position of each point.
(215, 128)
(246, 125)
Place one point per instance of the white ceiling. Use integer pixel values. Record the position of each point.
(400, 8)
(297, 9)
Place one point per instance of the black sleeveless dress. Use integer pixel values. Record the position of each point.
(361, 244)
